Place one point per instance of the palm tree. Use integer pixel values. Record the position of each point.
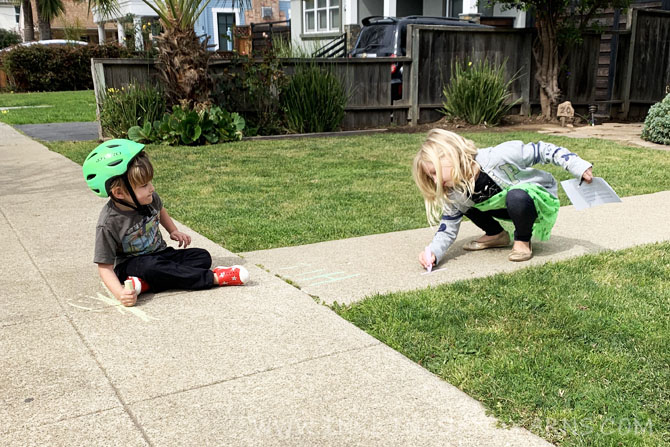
(183, 57)
(28, 25)
(47, 10)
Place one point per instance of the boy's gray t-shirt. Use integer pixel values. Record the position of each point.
(121, 234)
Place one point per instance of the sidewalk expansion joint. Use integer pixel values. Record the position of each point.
(67, 418)
(244, 376)
(67, 315)
(31, 321)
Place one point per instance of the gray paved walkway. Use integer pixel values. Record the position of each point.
(349, 270)
(75, 131)
(256, 365)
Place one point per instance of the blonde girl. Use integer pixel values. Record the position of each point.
(487, 185)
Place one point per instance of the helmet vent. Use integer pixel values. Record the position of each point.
(113, 145)
(114, 163)
(93, 154)
(97, 191)
(90, 177)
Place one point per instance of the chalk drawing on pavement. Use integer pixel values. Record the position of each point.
(318, 275)
(111, 302)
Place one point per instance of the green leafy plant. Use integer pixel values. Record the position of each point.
(478, 92)
(8, 38)
(313, 100)
(254, 87)
(657, 124)
(190, 127)
(129, 106)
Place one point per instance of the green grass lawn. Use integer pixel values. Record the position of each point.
(263, 194)
(64, 107)
(577, 352)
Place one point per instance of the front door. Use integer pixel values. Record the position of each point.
(225, 22)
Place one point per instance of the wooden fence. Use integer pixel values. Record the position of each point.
(642, 74)
(641, 71)
(367, 81)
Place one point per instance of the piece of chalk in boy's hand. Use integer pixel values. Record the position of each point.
(128, 284)
(429, 258)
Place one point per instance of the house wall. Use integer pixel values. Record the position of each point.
(76, 13)
(519, 16)
(367, 8)
(206, 25)
(279, 11)
(8, 17)
(433, 8)
(310, 42)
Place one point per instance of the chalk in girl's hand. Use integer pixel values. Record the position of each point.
(128, 284)
(429, 258)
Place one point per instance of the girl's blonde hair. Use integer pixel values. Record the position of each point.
(460, 154)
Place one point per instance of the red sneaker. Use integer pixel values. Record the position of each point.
(139, 284)
(231, 276)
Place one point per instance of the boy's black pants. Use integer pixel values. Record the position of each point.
(170, 269)
(520, 209)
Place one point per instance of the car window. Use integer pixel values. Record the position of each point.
(376, 39)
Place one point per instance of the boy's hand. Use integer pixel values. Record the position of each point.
(128, 298)
(587, 176)
(425, 262)
(182, 238)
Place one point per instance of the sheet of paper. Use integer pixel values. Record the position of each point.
(597, 192)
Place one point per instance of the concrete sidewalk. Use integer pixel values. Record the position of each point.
(261, 364)
(349, 270)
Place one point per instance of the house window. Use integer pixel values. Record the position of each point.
(225, 22)
(321, 16)
(17, 14)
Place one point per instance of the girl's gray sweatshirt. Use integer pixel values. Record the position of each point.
(507, 164)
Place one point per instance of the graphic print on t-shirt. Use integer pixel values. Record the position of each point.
(142, 238)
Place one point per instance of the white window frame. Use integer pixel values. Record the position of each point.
(215, 21)
(315, 12)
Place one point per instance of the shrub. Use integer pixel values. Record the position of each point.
(190, 127)
(477, 93)
(56, 68)
(8, 38)
(254, 87)
(657, 124)
(313, 100)
(133, 105)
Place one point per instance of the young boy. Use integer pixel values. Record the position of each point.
(128, 241)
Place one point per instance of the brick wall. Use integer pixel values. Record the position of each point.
(255, 15)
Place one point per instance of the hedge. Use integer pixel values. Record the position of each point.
(56, 68)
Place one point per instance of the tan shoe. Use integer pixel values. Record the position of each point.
(520, 256)
(502, 240)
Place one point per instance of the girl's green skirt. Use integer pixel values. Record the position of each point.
(546, 206)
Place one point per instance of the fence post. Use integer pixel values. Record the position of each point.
(629, 66)
(527, 82)
(414, 78)
(98, 73)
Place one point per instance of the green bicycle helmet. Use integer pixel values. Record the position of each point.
(108, 161)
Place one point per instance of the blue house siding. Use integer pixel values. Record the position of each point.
(205, 23)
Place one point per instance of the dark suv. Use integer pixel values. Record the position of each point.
(387, 37)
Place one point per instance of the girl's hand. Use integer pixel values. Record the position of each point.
(128, 297)
(182, 238)
(587, 176)
(425, 262)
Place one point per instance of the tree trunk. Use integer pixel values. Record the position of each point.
(545, 52)
(28, 25)
(44, 28)
(43, 25)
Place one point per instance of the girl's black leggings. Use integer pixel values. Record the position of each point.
(520, 209)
